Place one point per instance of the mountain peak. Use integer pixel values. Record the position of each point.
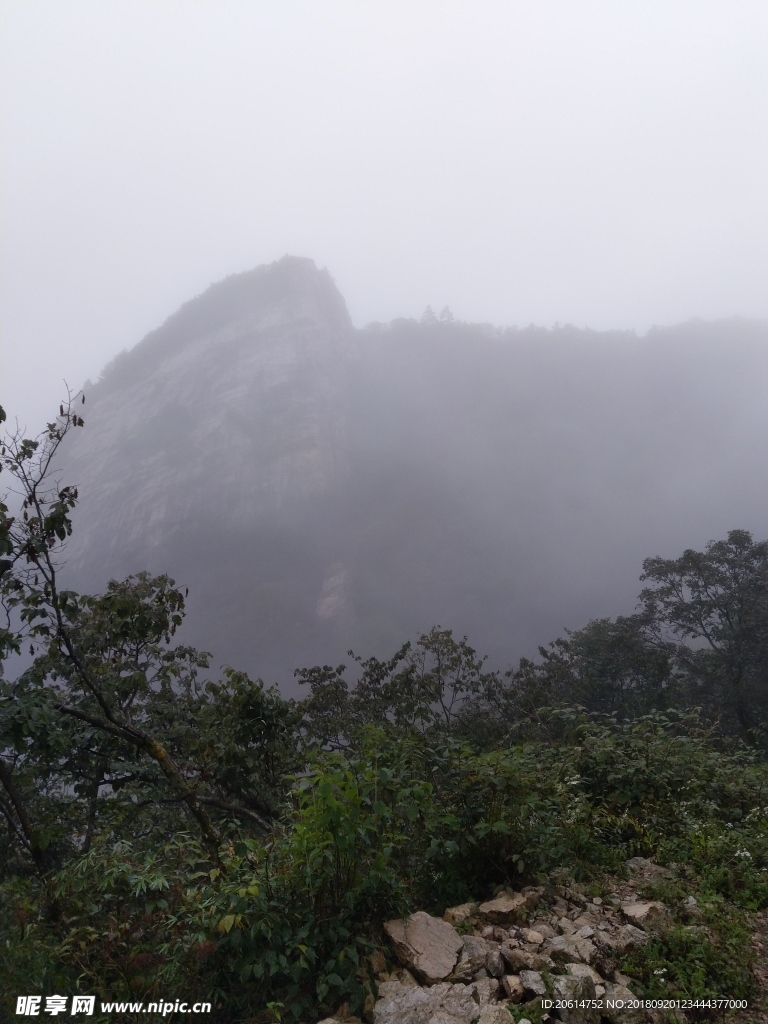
(289, 290)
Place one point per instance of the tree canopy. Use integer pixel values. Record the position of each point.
(159, 827)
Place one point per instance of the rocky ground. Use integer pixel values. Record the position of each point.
(538, 955)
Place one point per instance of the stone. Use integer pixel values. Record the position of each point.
(508, 908)
(531, 935)
(584, 971)
(494, 963)
(427, 945)
(405, 977)
(514, 989)
(564, 949)
(533, 984)
(474, 951)
(457, 915)
(643, 913)
(443, 1003)
(622, 1014)
(584, 921)
(647, 869)
(521, 959)
(378, 962)
(495, 1015)
(573, 987)
(543, 929)
(628, 937)
(486, 990)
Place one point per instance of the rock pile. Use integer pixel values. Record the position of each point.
(482, 960)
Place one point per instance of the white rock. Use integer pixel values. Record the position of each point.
(584, 971)
(643, 913)
(508, 908)
(628, 937)
(622, 1014)
(533, 983)
(455, 915)
(486, 990)
(441, 1004)
(494, 1015)
(575, 987)
(427, 945)
(494, 963)
(513, 988)
(473, 954)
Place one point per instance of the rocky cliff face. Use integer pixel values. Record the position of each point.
(230, 412)
(318, 487)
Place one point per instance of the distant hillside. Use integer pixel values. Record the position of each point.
(319, 487)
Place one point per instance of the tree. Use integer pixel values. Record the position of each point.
(425, 689)
(108, 705)
(711, 608)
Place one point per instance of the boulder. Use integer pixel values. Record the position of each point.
(628, 937)
(494, 964)
(514, 989)
(622, 1014)
(404, 976)
(494, 1015)
(508, 908)
(521, 959)
(584, 971)
(568, 949)
(474, 951)
(427, 945)
(443, 1003)
(646, 869)
(486, 990)
(643, 913)
(543, 928)
(457, 915)
(573, 987)
(533, 984)
(377, 962)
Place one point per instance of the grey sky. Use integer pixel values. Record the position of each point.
(601, 163)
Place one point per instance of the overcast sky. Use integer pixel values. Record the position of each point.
(600, 163)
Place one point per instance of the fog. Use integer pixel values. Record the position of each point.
(583, 183)
(599, 164)
(320, 488)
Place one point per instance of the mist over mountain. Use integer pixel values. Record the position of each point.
(320, 487)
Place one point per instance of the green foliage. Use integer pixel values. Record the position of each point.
(161, 831)
(697, 961)
(718, 599)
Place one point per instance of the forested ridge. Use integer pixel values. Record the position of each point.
(165, 830)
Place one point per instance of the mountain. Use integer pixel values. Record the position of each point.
(319, 487)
